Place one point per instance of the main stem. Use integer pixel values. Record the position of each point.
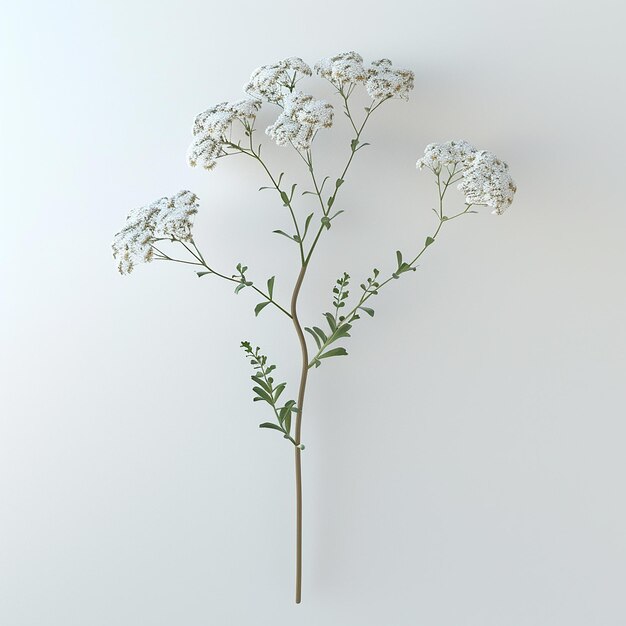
(298, 452)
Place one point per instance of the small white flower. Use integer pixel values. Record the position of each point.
(383, 81)
(487, 181)
(165, 218)
(341, 69)
(272, 82)
(448, 154)
(301, 118)
(211, 127)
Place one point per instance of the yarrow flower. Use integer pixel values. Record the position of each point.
(383, 81)
(487, 181)
(341, 69)
(210, 129)
(448, 154)
(272, 82)
(301, 118)
(165, 218)
(485, 178)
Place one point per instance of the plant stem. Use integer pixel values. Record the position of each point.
(301, 391)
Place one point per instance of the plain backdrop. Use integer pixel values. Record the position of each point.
(465, 464)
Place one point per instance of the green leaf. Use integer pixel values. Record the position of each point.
(296, 239)
(331, 321)
(283, 233)
(263, 394)
(306, 224)
(270, 286)
(333, 352)
(369, 311)
(200, 274)
(339, 182)
(285, 198)
(340, 333)
(261, 381)
(320, 333)
(354, 143)
(259, 307)
(332, 217)
(270, 425)
(399, 257)
(317, 339)
(429, 240)
(331, 201)
(279, 389)
(239, 287)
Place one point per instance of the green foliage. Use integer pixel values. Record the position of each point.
(241, 276)
(266, 390)
(260, 306)
(402, 266)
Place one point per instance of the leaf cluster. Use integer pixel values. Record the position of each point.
(267, 390)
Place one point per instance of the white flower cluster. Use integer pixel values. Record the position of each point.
(211, 126)
(383, 81)
(301, 118)
(342, 69)
(448, 154)
(487, 181)
(271, 82)
(165, 218)
(485, 178)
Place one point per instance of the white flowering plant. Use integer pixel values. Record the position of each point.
(163, 230)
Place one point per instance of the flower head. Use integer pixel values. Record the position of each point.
(448, 154)
(166, 218)
(210, 129)
(301, 118)
(487, 181)
(343, 68)
(272, 82)
(383, 81)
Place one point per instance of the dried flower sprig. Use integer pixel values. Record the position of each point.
(229, 128)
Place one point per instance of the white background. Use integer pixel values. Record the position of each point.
(464, 465)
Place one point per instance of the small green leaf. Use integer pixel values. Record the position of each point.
(331, 321)
(399, 258)
(259, 380)
(354, 143)
(317, 339)
(200, 274)
(239, 287)
(270, 286)
(320, 333)
(306, 224)
(279, 389)
(259, 307)
(339, 182)
(333, 352)
(263, 394)
(296, 239)
(429, 240)
(270, 425)
(285, 198)
(369, 311)
(331, 201)
(283, 233)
